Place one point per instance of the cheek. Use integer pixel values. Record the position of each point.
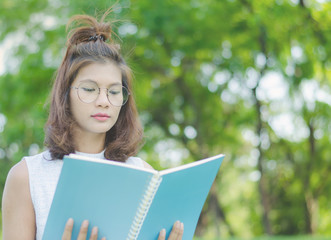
(117, 112)
(115, 116)
(75, 108)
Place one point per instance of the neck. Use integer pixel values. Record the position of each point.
(89, 143)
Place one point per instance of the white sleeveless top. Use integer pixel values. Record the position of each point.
(43, 177)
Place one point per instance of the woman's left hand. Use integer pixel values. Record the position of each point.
(175, 234)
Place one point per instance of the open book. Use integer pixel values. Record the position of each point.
(126, 202)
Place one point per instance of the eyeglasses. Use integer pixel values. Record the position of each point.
(89, 91)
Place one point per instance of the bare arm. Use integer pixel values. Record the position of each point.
(18, 217)
(146, 165)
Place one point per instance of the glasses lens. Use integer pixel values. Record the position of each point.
(118, 95)
(88, 91)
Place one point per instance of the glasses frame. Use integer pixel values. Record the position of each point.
(123, 87)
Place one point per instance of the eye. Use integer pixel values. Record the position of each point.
(88, 89)
(115, 91)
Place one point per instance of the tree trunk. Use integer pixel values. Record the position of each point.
(310, 207)
(215, 210)
(262, 185)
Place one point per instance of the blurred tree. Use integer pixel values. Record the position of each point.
(246, 78)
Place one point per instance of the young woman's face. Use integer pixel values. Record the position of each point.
(93, 112)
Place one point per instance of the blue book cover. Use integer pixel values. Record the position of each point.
(180, 196)
(126, 202)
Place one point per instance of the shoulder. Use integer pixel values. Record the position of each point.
(41, 164)
(46, 155)
(138, 162)
(17, 182)
(18, 174)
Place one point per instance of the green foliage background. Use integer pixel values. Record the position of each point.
(250, 79)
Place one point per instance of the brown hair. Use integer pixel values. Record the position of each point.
(89, 42)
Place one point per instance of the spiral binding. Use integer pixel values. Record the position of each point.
(144, 206)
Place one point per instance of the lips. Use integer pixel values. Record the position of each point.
(100, 116)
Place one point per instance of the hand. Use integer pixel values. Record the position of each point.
(175, 234)
(82, 233)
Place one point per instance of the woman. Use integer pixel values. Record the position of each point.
(93, 113)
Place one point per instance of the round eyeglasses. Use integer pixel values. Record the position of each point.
(89, 91)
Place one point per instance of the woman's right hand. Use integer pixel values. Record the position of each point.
(82, 233)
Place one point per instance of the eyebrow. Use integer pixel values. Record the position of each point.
(90, 80)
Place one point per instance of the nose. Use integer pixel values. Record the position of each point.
(102, 99)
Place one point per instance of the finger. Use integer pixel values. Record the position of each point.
(83, 231)
(94, 233)
(68, 229)
(162, 235)
(175, 231)
(181, 231)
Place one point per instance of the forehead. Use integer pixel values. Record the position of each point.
(104, 74)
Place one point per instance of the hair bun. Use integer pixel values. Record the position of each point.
(96, 37)
(85, 28)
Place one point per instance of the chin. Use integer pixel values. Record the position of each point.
(102, 130)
